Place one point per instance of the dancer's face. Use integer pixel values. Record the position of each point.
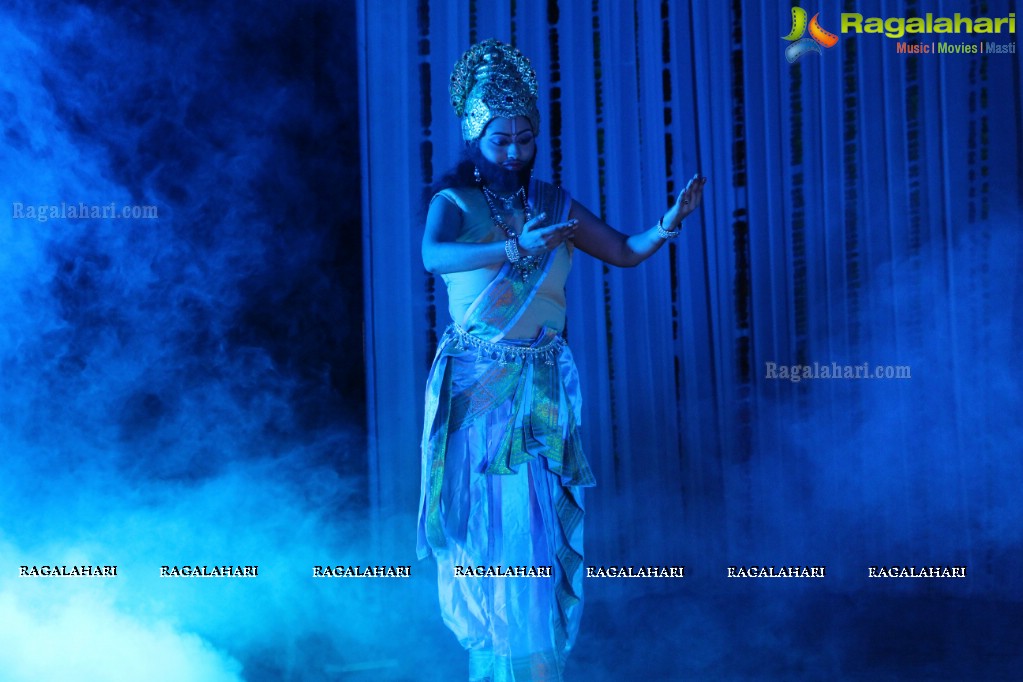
(509, 143)
(506, 153)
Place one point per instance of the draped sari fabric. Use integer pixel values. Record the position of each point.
(503, 472)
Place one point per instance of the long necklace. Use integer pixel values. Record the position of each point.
(525, 265)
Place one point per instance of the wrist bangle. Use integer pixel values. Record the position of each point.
(665, 234)
(511, 249)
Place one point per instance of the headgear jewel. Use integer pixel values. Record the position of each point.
(493, 80)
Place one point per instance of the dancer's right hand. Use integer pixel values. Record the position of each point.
(536, 240)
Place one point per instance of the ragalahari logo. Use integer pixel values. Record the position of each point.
(801, 45)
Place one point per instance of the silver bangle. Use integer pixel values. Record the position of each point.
(511, 249)
(665, 234)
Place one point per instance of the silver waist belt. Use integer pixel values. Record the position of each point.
(504, 352)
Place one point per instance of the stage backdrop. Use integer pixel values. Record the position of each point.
(863, 207)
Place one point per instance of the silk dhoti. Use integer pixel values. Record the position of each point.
(503, 483)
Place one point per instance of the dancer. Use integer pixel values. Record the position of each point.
(503, 467)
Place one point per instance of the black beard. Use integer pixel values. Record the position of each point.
(501, 179)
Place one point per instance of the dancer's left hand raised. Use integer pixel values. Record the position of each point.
(688, 200)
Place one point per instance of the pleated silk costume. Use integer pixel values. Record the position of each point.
(503, 467)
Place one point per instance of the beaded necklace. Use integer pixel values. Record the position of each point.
(525, 265)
